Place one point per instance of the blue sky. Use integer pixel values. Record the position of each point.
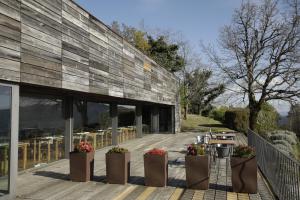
(196, 19)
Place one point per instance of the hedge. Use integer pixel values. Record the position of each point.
(237, 119)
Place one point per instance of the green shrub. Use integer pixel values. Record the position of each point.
(237, 119)
(283, 145)
(117, 150)
(288, 136)
(218, 113)
(267, 119)
(284, 141)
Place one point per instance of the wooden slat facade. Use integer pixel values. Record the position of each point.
(58, 44)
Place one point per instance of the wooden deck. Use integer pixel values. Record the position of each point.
(52, 181)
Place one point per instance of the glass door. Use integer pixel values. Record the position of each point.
(5, 136)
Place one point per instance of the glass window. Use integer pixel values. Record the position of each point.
(42, 126)
(126, 123)
(92, 123)
(5, 125)
(165, 119)
(146, 119)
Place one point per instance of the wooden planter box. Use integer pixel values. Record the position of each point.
(244, 175)
(81, 166)
(197, 172)
(117, 167)
(156, 170)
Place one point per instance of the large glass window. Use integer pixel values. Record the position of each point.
(126, 123)
(146, 119)
(42, 126)
(165, 119)
(5, 126)
(92, 123)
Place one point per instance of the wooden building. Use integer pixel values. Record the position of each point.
(65, 77)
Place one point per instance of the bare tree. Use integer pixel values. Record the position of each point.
(259, 52)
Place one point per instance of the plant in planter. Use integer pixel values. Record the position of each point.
(82, 162)
(197, 167)
(117, 165)
(156, 168)
(244, 170)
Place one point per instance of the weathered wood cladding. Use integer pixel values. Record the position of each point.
(58, 44)
(10, 40)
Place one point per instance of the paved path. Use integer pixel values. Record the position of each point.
(52, 182)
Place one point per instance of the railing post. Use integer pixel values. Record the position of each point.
(114, 123)
(68, 126)
(155, 119)
(139, 120)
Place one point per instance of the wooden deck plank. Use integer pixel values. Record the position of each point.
(135, 193)
(177, 194)
(187, 194)
(231, 196)
(162, 193)
(52, 182)
(243, 196)
(147, 192)
(125, 193)
(198, 195)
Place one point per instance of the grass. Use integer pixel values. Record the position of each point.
(202, 124)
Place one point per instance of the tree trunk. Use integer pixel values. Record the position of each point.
(185, 112)
(253, 117)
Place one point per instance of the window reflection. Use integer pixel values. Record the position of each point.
(146, 119)
(5, 124)
(42, 126)
(165, 120)
(126, 123)
(92, 123)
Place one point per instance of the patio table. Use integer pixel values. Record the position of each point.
(226, 135)
(214, 142)
(229, 142)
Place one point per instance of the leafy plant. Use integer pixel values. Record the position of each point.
(284, 141)
(218, 113)
(194, 150)
(84, 147)
(288, 136)
(243, 151)
(267, 119)
(156, 151)
(117, 150)
(237, 119)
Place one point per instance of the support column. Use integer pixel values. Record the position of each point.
(155, 119)
(69, 121)
(114, 122)
(14, 137)
(173, 119)
(139, 120)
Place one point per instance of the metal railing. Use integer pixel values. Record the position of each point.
(281, 171)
